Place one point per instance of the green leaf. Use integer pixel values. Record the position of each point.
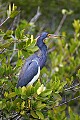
(17, 91)
(9, 10)
(6, 94)
(41, 89)
(46, 93)
(19, 53)
(40, 106)
(78, 74)
(3, 80)
(33, 114)
(5, 45)
(17, 33)
(9, 32)
(57, 97)
(22, 112)
(19, 63)
(40, 115)
(1, 33)
(31, 46)
(14, 13)
(23, 92)
(64, 11)
(72, 116)
(37, 85)
(22, 105)
(1, 105)
(12, 94)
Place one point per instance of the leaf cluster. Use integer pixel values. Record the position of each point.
(59, 80)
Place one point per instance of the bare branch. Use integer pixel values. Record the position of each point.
(60, 24)
(70, 88)
(1, 52)
(18, 118)
(4, 21)
(58, 28)
(52, 49)
(35, 18)
(67, 101)
(15, 116)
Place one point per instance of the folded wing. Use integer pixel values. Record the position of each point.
(29, 73)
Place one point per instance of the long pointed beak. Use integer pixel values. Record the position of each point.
(54, 36)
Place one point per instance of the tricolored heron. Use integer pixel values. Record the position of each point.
(31, 69)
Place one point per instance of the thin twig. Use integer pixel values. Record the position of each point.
(75, 90)
(58, 28)
(1, 52)
(4, 21)
(60, 24)
(67, 101)
(12, 118)
(18, 117)
(72, 87)
(52, 49)
(35, 18)
(76, 70)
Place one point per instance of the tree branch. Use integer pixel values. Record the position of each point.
(3, 50)
(16, 116)
(61, 24)
(4, 21)
(58, 28)
(35, 18)
(70, 88)
(67, 101)
(52, 49)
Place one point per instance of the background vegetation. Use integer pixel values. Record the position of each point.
(20, 22)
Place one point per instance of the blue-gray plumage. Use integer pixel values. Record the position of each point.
(31, 69)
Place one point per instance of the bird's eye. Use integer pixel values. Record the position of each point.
(49, 35)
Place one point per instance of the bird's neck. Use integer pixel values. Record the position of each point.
(43, 55)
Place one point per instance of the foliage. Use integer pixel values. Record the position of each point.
(44, 99)
(47, 21)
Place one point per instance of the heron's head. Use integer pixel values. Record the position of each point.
(45, 35)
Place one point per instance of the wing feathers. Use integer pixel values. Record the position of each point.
(27, 74)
